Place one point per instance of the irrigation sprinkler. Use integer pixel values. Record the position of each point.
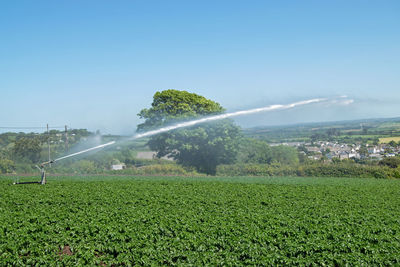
(42, 170)
(42, 165)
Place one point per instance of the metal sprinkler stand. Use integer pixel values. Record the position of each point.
(42, 174)
(43, 171)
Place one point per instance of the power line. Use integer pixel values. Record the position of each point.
(10, 127)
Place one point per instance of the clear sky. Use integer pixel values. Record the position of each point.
(96, 64)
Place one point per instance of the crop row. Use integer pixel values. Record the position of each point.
(189, 221)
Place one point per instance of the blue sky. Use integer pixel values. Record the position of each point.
(96, 64)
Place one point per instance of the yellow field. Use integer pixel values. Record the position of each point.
(386, 140)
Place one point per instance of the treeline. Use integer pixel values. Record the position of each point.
(254, 158)
(20, 152)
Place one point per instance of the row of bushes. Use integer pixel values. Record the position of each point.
(312, 170)
(158, 169)
(343, 169)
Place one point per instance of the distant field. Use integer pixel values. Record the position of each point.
(370, 136)
(390, 125)
(200, 221)
(386, 140)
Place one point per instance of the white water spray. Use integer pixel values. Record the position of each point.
(217, 117)
(227, 115)
(86, 150)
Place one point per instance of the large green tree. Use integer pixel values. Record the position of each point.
(204, 146)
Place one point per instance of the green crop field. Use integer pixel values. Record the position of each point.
(200, 221)
(386, 140)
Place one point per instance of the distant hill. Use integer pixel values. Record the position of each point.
(352, 130)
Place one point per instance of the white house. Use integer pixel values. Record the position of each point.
(116, 167)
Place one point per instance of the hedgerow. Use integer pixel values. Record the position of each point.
(310, 170)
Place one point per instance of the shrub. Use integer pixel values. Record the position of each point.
(84, 167)
(6, 166)
(392, 162)
(312, 170)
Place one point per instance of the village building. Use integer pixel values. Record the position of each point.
(117, 167)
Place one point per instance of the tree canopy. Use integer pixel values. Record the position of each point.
(392, 162)
(173, 105)
(257, 151)
(204, 146)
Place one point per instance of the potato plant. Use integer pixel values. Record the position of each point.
(200, 221)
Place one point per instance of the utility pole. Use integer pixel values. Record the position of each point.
(66, 138)
(48, 142)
